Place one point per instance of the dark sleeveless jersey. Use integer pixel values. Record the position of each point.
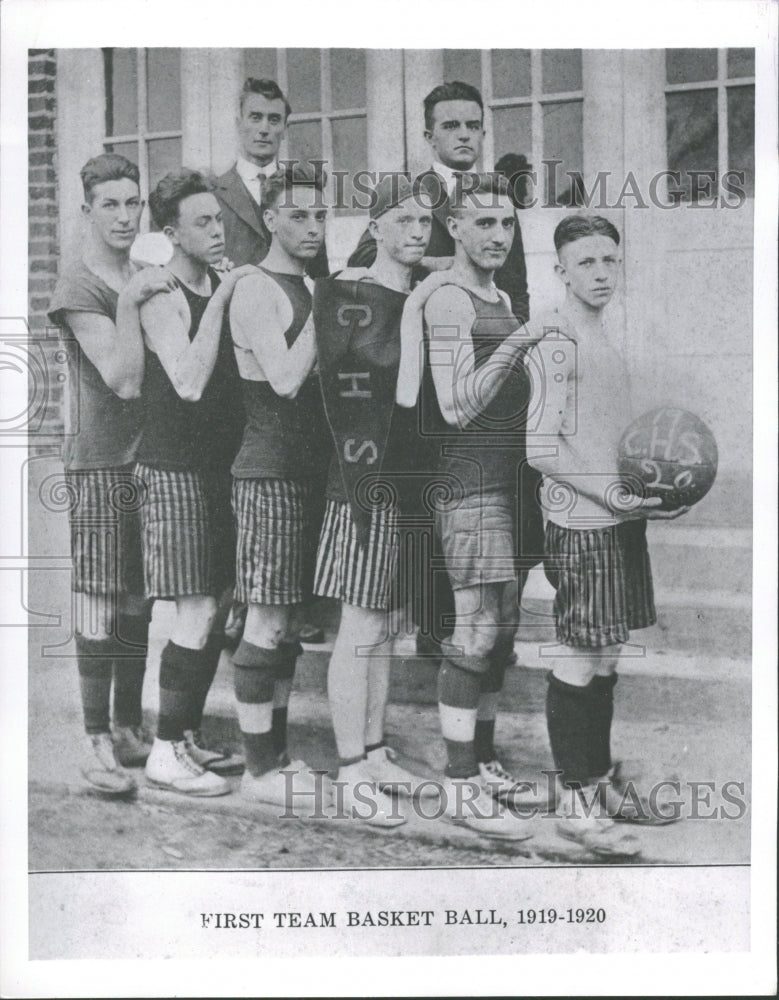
(486, 454)
(282, 437)
(194, 436)
(373, 345)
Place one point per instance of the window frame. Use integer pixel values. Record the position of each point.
(535, 100)
(324, 117)
(721, 84)
(143, 136)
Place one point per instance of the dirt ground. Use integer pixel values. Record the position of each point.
(72, 831)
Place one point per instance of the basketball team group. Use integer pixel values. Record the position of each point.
(247, 432)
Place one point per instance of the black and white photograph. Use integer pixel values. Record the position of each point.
(389, 520)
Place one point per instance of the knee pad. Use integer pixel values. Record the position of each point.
(502, 653)
(284, 670)
(492, 680)
(95, 655)
(255, 671)
(459, 687)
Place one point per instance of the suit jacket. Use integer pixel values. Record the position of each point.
(247, 241)
(511, 278)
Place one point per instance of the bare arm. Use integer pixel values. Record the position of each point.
(553, 452)
(188, 364)
(116, 349)
(462, 391)
(256, 322)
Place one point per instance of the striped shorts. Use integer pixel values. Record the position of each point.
(105, 538)
(187, 533)
(272, 561)
(603, 582)
(350, 572)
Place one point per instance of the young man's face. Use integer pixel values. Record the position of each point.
(199, 232)
(261, 126)
(485, 234)
(297, 221)
(589, 268)
(114, 212)
(457, 134)
(404, 231)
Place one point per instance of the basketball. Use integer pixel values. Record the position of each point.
(669, 453)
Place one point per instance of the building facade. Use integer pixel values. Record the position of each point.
(660, 141)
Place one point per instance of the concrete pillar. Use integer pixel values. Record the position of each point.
(602, 113)
(80, 132)
(225, 81)
(386, 126)
(195, 129)
(424, 69)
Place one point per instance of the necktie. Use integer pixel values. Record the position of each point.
(258, 186)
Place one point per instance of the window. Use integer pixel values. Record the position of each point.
(143, 110)
(327, 89)
(710, 119)
(533, 102)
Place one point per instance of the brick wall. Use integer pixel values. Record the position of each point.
(43, 235)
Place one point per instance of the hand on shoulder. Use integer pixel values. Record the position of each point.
(147, 282)
(229, 279)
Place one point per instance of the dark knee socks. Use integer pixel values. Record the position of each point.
(256, 671)
(601, 715)
(180, 671)
(284, 670)
(460, 688)
(492, 683)
(579, 724)
(204, 679)
(129, 668)
(95, 665)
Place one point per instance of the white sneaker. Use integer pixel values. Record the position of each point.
(101, 768)
(219, 761)
(584, 821)
(503, 786)
(391, 777)
(171, 767)
(132, 745)
(357, 796)
(467, 802)
(296, 786)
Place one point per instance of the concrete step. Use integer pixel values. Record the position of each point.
(702, 595)
(654, 685)
(701, 559)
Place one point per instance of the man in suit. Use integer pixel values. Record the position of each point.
(454, 130)
(263, 110)
(261, 124)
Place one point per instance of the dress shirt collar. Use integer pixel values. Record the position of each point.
(448, 174)
(248, 171)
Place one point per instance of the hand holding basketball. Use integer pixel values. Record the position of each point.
(668, 459)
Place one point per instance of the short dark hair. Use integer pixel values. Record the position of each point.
(293, 174)
(576, 227)
(456, 90)
(470, 190)
(516, 169)
(165, 199)
(268, 88)
(107, 167)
